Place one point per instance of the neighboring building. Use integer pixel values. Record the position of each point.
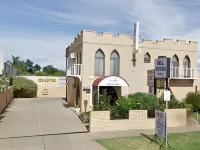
(1, 62)
(6, 68)
(102, 55)
(9, 71)
(49, 86)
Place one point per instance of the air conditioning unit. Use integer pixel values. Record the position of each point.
(73, 55)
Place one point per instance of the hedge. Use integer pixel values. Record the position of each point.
(24, 87)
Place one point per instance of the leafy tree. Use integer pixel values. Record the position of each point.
(29, 68)
(50, 69)
(19, 65)
(36, 68)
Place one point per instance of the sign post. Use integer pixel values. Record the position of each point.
(166, 99)
(162, 71)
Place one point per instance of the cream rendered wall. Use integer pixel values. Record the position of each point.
(136, 76)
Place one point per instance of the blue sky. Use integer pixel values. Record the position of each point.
(42, 29)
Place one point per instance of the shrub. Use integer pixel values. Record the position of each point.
(194, 100)
(4, 83)
(146, 101)
(121, 108)
(24, 87)
(104, 101)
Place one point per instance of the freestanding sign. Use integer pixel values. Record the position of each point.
(160, 124)
(162, 67)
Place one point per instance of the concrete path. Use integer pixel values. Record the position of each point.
(43, 124)
(38, 116)
(79, 141)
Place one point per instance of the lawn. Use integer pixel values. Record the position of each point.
(178, 141)
(195, 116)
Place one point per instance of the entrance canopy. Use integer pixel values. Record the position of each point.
(110, 81)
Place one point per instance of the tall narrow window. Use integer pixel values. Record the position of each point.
(186, 62)
(175, 66)
(175, 61)
(99, 63)
(114, 63)
(186, 66)
(147, 58)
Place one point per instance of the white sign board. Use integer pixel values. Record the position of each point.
(167, 95)
(150, 78)
(161, 68)
(113, 81)
(160, 124)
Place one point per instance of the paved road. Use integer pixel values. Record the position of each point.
(42, 124)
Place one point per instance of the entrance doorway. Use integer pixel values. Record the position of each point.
(110, 92)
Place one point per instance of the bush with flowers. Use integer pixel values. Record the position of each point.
(4, 83)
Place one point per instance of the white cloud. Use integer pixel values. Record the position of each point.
(44, 50)
(158, 19)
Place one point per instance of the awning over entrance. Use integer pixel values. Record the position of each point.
(110, 81)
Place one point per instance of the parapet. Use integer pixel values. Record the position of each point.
(90, 36)
(170, 44)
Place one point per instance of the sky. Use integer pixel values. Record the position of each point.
(40, 30)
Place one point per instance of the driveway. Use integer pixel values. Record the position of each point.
(38, 116)
(43, 124)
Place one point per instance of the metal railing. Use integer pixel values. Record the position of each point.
(74, 70)
(184, 73)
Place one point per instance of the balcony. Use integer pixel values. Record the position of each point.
(74, 70)
(184, 73)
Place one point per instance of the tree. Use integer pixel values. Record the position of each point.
(36, 68)
(29, 66)
(18, 65)
(50, 69)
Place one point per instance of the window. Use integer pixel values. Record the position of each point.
(175, 66)
(186, 62)
(186, 65)
(175, 61)
(114, 63)
(147, 58)
(99, 63)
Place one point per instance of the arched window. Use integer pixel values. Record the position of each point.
(99, 63)
(186, 65)
(186, 62)
(175, 61)
(175, 67)
(114, 63)
(147, 58)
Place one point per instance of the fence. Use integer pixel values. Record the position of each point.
(100, 120)
(5, 98)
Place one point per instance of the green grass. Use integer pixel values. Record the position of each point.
(195, 116)
(178, 141)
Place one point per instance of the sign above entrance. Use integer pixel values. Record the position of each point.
(113, 81)
(162, 67)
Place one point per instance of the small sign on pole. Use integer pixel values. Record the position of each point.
(167, 95)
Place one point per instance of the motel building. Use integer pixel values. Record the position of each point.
(118, 67)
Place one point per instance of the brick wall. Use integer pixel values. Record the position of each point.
(100, 120)
(5, 98)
